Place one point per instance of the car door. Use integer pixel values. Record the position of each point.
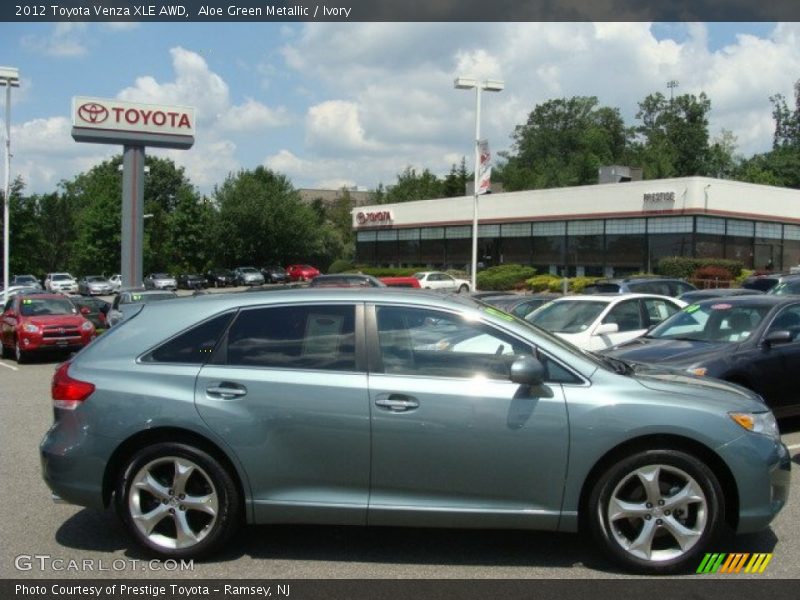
(776, 365)
(288, 394)
(452, 438)
(627, 315)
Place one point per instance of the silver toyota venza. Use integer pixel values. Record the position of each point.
(400, 407)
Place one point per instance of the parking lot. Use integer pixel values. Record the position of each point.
(33, 526)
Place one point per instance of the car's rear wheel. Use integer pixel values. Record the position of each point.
(178, 501)
(463, 289)
(657, 511)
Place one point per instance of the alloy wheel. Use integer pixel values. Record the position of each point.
(657, 513)
(173, 502)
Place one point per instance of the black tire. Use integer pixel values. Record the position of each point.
(463, 289)
(19, 353)
(6, 353)
(677, 471)
(208, 479)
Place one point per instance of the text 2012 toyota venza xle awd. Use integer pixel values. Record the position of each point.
(393, 407)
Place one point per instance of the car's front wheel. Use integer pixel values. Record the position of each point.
(657, 511)
(177, 500)
(463, 289)
(19, 354)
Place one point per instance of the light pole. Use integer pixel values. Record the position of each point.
(9, 77)
(490, 85)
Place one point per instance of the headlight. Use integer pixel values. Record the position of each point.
(763, 423)
(87, 326)
(30, 328)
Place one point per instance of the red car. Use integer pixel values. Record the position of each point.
(42, 322)
(407, 282)
(301, 272)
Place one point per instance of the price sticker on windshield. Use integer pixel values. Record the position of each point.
(137, 297)
(721, 306)
(691, 308)
(498, 313)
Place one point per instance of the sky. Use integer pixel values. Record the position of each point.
(354, 104)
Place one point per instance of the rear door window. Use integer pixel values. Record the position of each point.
(316, 337)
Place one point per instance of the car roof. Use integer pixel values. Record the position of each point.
(612, 298)
(752, 300)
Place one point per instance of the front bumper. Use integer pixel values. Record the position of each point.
(761, 468)
(35, 342)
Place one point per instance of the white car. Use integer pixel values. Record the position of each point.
(116, 282)
(595, 322)
(60, 282)
(436, 280)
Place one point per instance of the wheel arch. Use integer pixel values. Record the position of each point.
(666, 442)
(136, 442)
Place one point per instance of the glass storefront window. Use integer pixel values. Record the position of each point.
(625, 253)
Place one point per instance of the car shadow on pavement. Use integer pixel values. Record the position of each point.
(100, 531)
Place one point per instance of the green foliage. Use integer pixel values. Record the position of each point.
(340, 265)
(504, 277)
(576, 284)
(737, 282)
(684, 267)
(411, 186)
(563, 143)
(542, 283)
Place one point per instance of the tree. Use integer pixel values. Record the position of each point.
(455, 183)
(673, 136)
(262, 220)
(412, 186)
(563, 143)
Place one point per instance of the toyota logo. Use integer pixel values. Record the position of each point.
(92, 112)
(361, 218)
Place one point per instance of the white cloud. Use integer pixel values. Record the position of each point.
(335, 125)
(252, 115)
(66, 41)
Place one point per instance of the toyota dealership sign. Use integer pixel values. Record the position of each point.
(106, 120)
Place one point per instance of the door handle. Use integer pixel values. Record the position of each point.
(397, 402)
(226, 391)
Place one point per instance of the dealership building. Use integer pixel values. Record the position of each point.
(608, 229)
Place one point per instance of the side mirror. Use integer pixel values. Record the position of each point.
(527, 370)
(606, 328)
(779, 336)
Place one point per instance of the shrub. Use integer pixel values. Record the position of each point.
(576, 284)
(684, 267)
(711, 272)
(541, 283)
(504, 277)
(340, 266)
(742, 276)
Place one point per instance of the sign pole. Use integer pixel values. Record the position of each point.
(132, 215)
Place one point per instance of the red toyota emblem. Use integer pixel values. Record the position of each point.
(361, 218)
(92, 112)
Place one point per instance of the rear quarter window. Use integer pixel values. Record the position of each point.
(194, 346)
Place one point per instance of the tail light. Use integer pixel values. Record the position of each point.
(67, 392)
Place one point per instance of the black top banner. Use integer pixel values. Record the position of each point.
(400, 10)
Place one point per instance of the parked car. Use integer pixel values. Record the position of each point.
(220, 278)
(601, 321)
(436, 280)
(520, 305)
(700, 295)
(201, 413)
(191, 281)
(346, 280)
(93, 309)
(14, 290)
(753, 341)
(764, 281)
(247, 276)
(42, 323)
(95, 285)
(116, 282)
(274, 274)
(789, 285)
(127, 302)
(60, 282)
(26, 281)
(403, 282)
(660, 286)
(160, 281)
(301, 272)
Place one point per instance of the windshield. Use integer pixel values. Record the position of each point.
(419, 276)
(26, 279)
(95, 278)
(248, 270)
(60, 277)
(786, 288)
(160, 276)
(567, 317)
(37, 307)
(712, 322)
